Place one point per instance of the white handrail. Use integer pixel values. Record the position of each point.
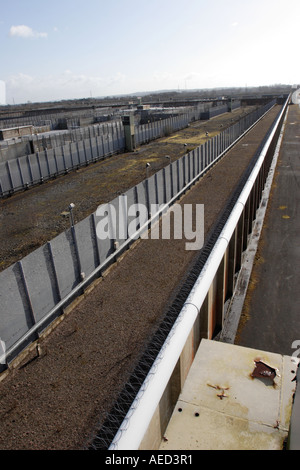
(137, 420)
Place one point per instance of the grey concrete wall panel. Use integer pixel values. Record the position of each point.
(59, 158)
(25, 170)
(99, 144)
(88, 150)
(87, 245)
(80, 152)
(15, 173)
(118, 219)
(15, 318)
(115, 143)
(65, 262)
(186, 160)
(160, 187)
(41, 282)
(141, 193)
(206, 154)
(167, 183)
(105, 244)
(110, 144)
(198, 160)
(131, 199)
(181, 172)
(142, 134)
(105, 145)
(94, 148)
(152, 133)
(211, 150)
(152, 190)
(174, 177)
(209, 157)
(192, 164)
(131, 196)
(148, 133)
(43, 164)
(5, 178)
(72, 150)
(34, 167)
(51, 162)
(190, 158)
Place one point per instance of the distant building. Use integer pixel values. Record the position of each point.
(2, 92)
(15, 132)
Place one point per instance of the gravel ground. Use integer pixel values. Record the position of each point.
(56, 400)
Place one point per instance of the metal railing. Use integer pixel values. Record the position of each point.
(144, 424)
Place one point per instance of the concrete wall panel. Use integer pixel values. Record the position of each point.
(65, 262)
(40, 280)
(51, 162)
(103, 225)
(15, 172)
(160, 187)
(14, 313)
(59, 157)
(88, 150)
(168, 182)
(34, 167)
(25, 170)
(81, 152)
(87, 245)
(94, 148)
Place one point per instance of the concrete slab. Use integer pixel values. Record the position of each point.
(222, 406)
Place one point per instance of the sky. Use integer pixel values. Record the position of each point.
(65, 49)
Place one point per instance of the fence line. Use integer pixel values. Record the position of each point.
(96, 142)
(34, 291)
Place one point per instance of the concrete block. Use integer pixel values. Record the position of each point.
(207, 429)
(234, 410)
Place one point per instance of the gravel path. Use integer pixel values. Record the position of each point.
(57, 400)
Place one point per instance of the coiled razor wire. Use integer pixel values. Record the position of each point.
(115, 417)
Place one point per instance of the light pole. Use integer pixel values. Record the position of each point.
(147, 169)
(71, 207)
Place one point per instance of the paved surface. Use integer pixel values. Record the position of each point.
(223, 407)
(270, 317)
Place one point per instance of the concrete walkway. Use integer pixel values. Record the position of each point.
(270, 317)
(227, 403)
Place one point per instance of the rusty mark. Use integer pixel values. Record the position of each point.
(222, 389)
(222, 395)
(263, 371)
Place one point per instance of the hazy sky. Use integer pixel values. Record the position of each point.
(61, 49)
